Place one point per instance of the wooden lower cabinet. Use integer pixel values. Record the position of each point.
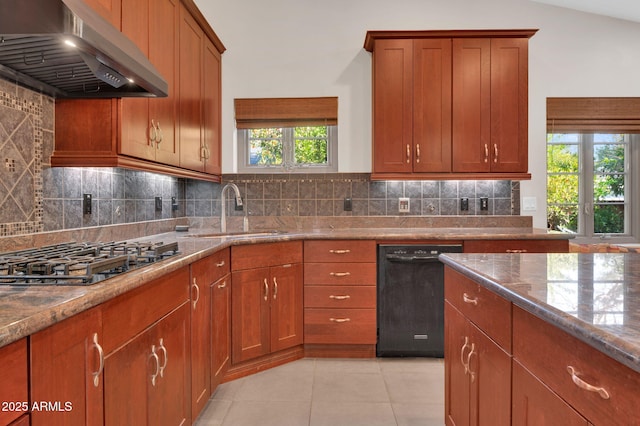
(146, 379)
(516, 246)
(477, 375)
(66, 368)
(14, 383)
(535, 404)
(221, 329)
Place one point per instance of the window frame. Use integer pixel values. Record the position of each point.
(288, 153)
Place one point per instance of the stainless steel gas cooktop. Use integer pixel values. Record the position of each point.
(76, 263)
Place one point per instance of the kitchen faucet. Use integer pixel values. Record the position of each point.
(223, 202)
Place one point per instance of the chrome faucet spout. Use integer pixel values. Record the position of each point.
(223, 202)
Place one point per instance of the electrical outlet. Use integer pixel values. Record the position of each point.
(174, 204)
(484, 203)
(158, 204)
(348, 205)
(404, 205)
(86, 203)
(464, 204)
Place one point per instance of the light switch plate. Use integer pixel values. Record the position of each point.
(404, 205)
(529, 204)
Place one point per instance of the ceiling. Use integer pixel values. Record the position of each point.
(622, 9)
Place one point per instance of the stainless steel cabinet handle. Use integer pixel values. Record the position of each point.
(408, 153)
(471, 300)
(220, 264)
(340, 297)
(516, 251)
(340, 319)
(266, 289)
(486, 153)
(471, 373)
(195, 301)
(165, 355)
(340, 251)
(96, 374)
(465, 346)
(159, 133)
(586, 386)
(153, 134)
(417, 153)
(223, 285)
(275, 288)
(154, 355)
(339, 274)
(495, 152)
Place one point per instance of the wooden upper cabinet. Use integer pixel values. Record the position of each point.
(450, 104)
(177, 135)
(108, 9)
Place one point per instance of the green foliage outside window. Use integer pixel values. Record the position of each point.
(267, 145)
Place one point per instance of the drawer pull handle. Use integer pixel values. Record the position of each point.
(470, 300)
(340, 319)
(220, 264)
(339, 274)
(340, 251)
(340, 297)
(96, 374)
(223, 285)
(516, 250)
(586, 386)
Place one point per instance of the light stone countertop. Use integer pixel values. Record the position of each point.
(594, 297)
(25, 310)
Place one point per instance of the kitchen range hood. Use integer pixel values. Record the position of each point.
(66, 50)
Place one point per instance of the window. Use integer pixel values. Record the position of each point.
(588, 183)
(593, 147)
(287, 134)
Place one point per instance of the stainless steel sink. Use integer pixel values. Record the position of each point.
(237, 234)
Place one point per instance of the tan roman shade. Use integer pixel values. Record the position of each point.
(286, 112)
(588, 115)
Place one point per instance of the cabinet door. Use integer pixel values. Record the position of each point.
(200, 304)
(432, 105)
(393, 106)
(15, 382)
(471, 105)
(190, 98)
(163, 54)
(457, 347)
(136, 132)
(535, 404)
(509, 109)
(66, 361)
(286, 306)
(169, 399)
(221, 329)
(250, 298)
(212, 118)
(490, 376)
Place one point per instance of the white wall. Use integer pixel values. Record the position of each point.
(288, 48)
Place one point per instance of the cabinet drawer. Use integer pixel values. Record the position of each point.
(251, 256)
(340, 273)
(340, 251)
(325, 296)
(342, 326)
(490, 312)
(13, 387)
(550, 353)
(211, 268)
(516, 246)
(129, 314)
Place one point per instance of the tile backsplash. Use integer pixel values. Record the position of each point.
(34, 197)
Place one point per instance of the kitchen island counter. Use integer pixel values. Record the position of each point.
(594, 297)
(25, 310)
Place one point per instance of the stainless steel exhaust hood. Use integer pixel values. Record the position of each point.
(66, 50)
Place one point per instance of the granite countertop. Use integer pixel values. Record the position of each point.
(27, 309)
(592, 296)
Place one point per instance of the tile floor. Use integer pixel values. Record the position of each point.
(333, 392)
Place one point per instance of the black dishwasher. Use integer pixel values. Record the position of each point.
(411, 300)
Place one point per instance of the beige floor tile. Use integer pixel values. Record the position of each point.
(418, 414)
(349, 387)
(268, 413)
(351, 414)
